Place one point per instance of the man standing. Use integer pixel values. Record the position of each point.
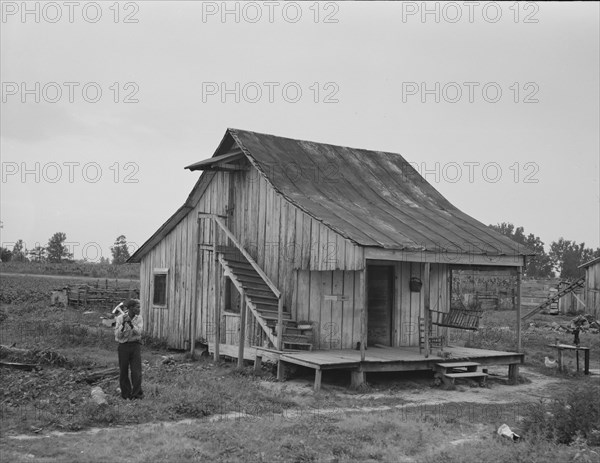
(128, 333)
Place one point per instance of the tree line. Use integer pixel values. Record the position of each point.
(565, 256)
(57, 251)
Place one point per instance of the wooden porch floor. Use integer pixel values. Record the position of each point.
(380, 359)
(396, 358)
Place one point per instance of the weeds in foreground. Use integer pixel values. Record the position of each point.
(575, 417)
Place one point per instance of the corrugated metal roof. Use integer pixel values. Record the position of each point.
(373, 198)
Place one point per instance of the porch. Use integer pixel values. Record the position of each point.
(383, 359)
(380, 359)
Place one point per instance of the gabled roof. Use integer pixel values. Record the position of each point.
(372, 198)
(591, 262)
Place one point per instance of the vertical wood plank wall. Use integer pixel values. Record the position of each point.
(279, 236)
(337, 323)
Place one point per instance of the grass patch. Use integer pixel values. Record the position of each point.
(381, 437)
(576, 416)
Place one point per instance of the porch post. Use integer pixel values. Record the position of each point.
(519, 271)
(242, 337)
(194, 309)
(217, 313)
(426, 304)
(513, 370)
(363, 315)
(280, 323)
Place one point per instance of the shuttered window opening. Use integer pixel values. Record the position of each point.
(160, 287)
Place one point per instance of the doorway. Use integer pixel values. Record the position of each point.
(380, 303)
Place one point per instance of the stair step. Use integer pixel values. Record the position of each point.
(272, 320)
(458, 364)
(240, 264)
(250, 278)
(251, 293)
(272, 314)
(252, 286)
(293, 338)
(266, 304)
(468, 374)
(268, 300)
(246, 272)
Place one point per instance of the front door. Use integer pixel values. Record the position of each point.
(380, 281)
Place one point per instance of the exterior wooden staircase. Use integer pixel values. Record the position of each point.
(262, 302)
(554, 298)
(261, 296)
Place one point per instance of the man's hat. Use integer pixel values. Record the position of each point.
(131, 304)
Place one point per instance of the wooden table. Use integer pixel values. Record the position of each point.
(586, 359)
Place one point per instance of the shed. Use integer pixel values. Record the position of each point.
(591, 289)
(286, 248)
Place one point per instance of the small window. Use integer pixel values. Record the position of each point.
(160, 287)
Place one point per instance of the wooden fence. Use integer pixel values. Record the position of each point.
(107, 295)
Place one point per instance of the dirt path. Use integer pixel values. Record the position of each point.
(419, 401)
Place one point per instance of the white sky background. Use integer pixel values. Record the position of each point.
(370, 53)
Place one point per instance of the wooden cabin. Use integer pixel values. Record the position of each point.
(591, 289)
(319, 255)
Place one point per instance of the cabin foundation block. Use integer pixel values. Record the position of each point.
(318, 376)
(357, 378)
(280, 370)
(257, 363)
(513, 373)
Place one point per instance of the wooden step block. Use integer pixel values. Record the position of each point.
(468, 374)
(458, 364)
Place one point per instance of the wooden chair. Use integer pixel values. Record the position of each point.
(434, 341)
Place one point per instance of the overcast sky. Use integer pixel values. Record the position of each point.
(498, 105)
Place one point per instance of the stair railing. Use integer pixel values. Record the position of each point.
(219, 221)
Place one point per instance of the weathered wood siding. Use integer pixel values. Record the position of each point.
(592, 289)
(187, 288)
(337, 322)
(279, 236)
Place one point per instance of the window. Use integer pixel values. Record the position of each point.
(160, 287)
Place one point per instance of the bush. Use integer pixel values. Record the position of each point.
(565, 420)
